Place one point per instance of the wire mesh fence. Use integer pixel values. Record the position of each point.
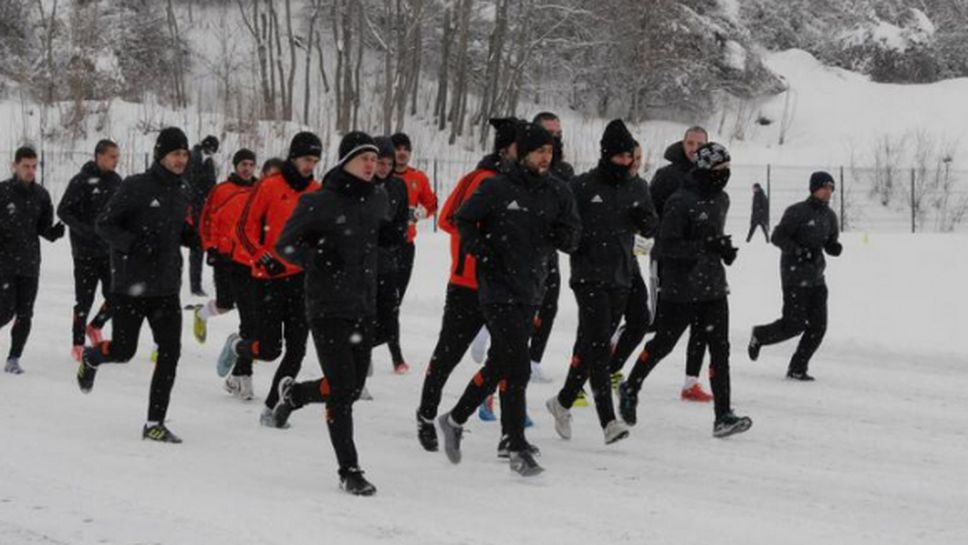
(867, 199)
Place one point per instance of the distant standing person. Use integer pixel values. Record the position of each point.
(807, 231)
(27, 215)
(760, 217)
(422, 201)
(202, 179)
(84, 199)
(145, 223)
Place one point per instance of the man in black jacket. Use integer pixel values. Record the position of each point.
(545, 318)
(511, 225)
(760, 216)
(393, 238)
(637, 315)
(693, 249)
(668, 179)
(202, 177)
(84, 199)
(27, 215)
(334, 235)
(145, 223)
(463, 320)
(807, 231)
(613, 208)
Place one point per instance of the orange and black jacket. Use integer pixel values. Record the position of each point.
(221, 213)
(463, 266)
(418, 192)
(270, 205)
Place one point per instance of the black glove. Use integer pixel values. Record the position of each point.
(328, 258)
(804, 255)
(729, 255)
(723, 246)
(213, 257)
(834, 248)
(271, 265)
(55, 232)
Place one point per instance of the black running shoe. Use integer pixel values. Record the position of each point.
(730, 424)
(753, 350)
(800, 375)
(504, 452)
(285, 405)
(160, 433)
(628, 401)
(523, 463)
(351, 480)
(427, 434)
(85, 374)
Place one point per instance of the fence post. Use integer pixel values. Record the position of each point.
(436, 190)
(769, 193)
(913, 211)
(843, 215)
(43, 164)
(147, 164)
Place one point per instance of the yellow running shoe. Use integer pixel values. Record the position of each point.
(581, 400)
(200, 328)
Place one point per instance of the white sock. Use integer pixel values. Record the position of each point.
(151, 423)
(690, 382)
(209, 309)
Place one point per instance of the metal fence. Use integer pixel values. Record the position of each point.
(867, 199)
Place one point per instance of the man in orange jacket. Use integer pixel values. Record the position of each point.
(423, 203)
(462, 312)
(217, 227)
(279, 285)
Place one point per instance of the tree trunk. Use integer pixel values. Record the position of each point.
(443, 72)
(459, 105)
(316, 7)
(292, 64)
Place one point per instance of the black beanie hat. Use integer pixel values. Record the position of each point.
(530, 137)
(711, 155)
(505, 131)
(616, 139)
(170, 139)
(385, 145)
(353, 144)
(820, 179)
(210, 143)
(401, 139)
(305, 143)
(242, 155)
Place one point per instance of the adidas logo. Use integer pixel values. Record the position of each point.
(155, 203)
(96, 191)
(597, 199)
(703, 217)
(514, 206)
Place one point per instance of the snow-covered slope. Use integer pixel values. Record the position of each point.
(871, 453)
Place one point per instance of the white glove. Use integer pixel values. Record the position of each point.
(417, 213)
(642, 246)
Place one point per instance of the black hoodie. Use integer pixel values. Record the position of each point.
(333, 234)
(807, 225)
(613, 206)
(27, 214)
(84, 199)
(511, 224)
(670, 178)
(691, 271)
(145, 223)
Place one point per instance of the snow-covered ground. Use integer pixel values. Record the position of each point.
(873, 452)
